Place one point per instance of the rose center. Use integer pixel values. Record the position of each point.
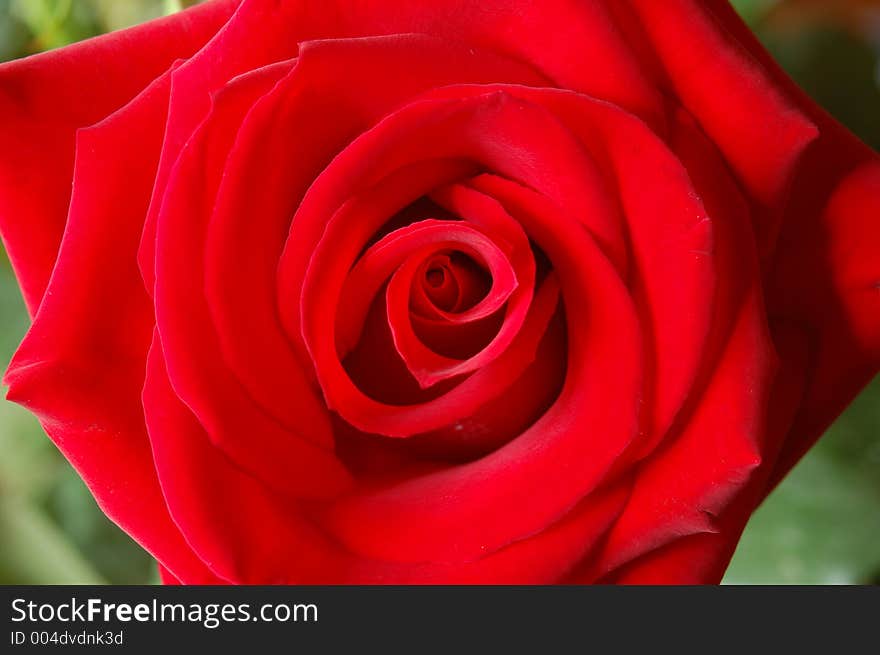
(453, 282)
(435, 277)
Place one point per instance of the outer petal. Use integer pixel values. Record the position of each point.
(693, 497)
(683, 487)
(45, 99)
(827, 284)
(824, 281)
(703, 556)
(725, 88)
(81, 365)
(247, 536)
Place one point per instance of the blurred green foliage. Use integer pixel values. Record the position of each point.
(821, 526)
(29, 26)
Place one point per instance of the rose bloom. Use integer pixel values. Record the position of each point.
(457, 291)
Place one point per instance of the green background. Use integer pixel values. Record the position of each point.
(821, 526)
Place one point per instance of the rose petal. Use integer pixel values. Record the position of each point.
(827, 282)
(672, 274)
(457, 513)
(289, 136)
(46, 98)
(462, 129)
(702, 557)
(428, 236)
(298, 463)
(826, 275)
(725, 88)
(80, 368)
(512, 410)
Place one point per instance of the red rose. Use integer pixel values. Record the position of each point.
(448, 291)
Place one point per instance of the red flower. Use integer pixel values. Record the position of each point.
(450, 291)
